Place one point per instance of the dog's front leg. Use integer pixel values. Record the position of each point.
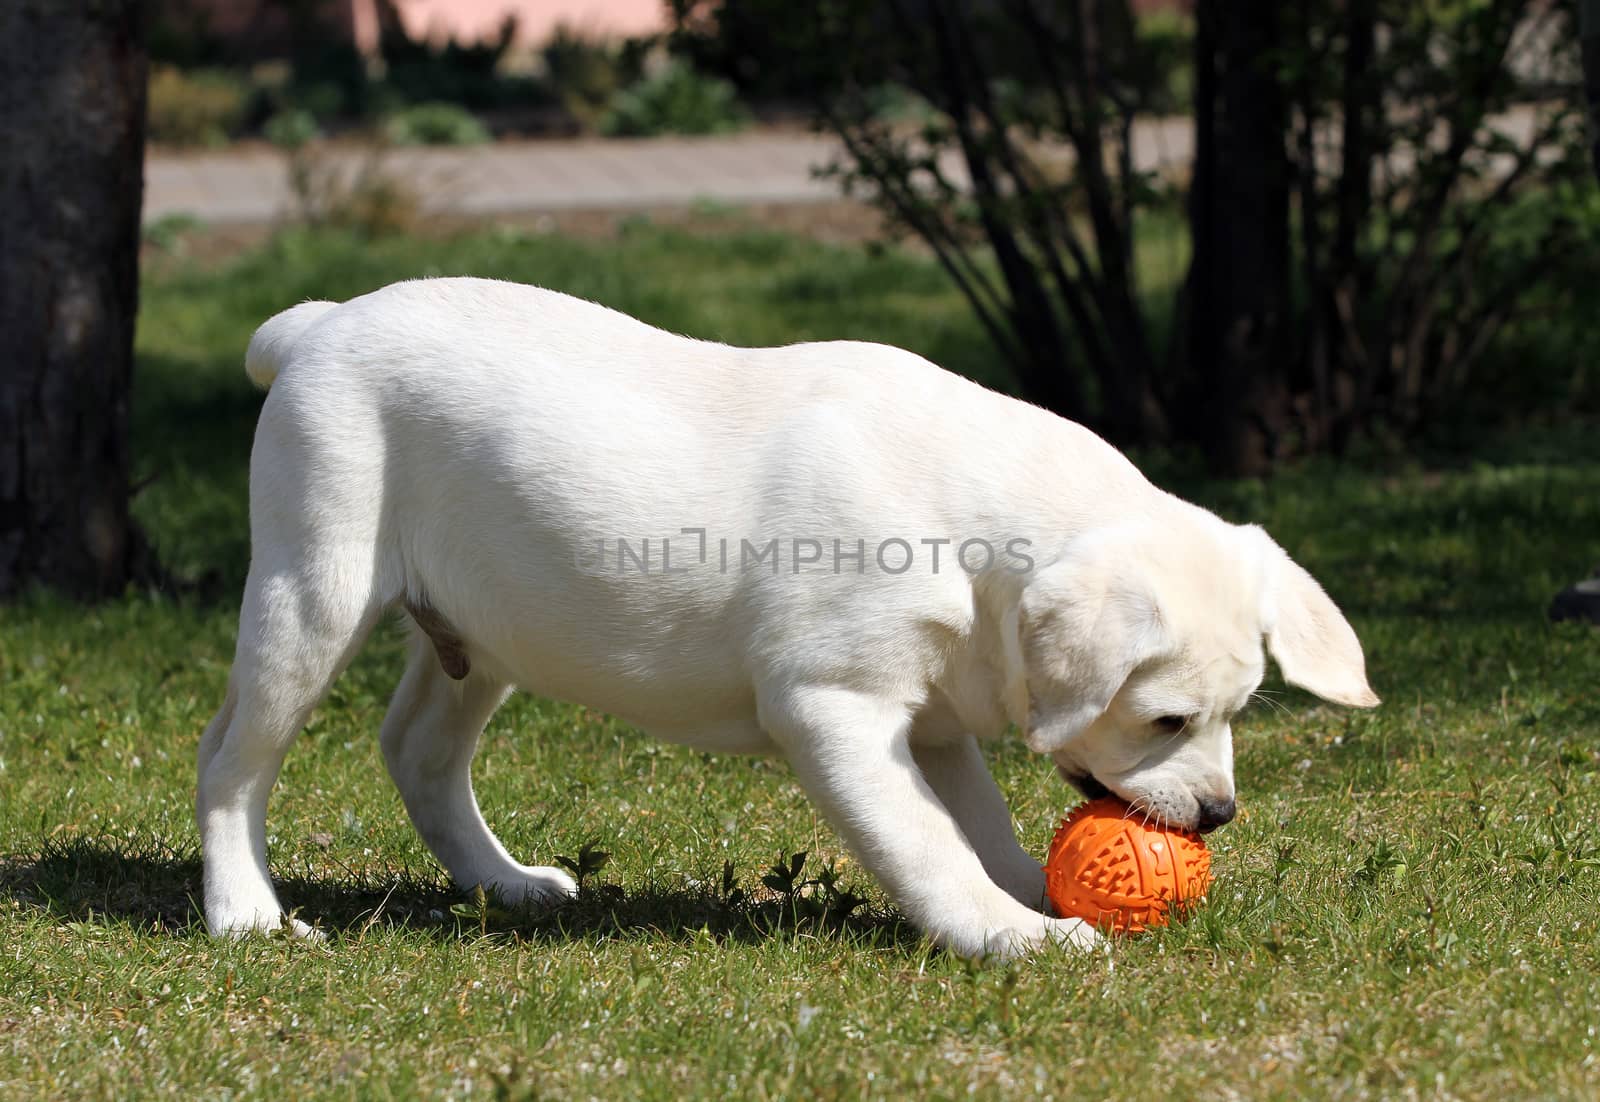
(852, 755)
(960, 778)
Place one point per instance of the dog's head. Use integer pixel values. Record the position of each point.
(1141, 643)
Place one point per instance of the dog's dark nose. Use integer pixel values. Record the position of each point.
(1215, 813)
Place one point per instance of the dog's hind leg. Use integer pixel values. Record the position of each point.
(429, 736)
(300, 624)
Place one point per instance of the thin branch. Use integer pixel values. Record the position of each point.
(969, 277)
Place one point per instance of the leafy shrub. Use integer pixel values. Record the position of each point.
(328, 77)
(375, 204)
(291, 129)
(675, 100)
(1540, 366)
(586, 74)
(198, 108)
(320, 100)
(364, 197)
(1358, 244)
(421, 70)
(434, 124)
(734, 39)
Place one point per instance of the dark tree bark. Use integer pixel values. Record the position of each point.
(72, 108)
(1237, 302)
(1589, 29)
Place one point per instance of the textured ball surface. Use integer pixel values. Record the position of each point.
(1110, 870)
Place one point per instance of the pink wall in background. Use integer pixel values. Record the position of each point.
(474, 20)
(463, 20)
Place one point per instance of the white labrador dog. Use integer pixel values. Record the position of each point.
(835, 552)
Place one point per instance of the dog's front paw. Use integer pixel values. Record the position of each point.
(1013, 942)
(534, 886)
(1072, 933)
(245, 923)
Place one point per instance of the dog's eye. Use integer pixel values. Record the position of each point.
(1172, 725)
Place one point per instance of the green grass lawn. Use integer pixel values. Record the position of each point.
(1407, 905)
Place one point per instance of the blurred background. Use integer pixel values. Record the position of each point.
(1235, 239)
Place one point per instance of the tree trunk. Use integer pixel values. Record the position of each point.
(1345, 280)
(1239, 280)
(72, 101)
(1589, 30)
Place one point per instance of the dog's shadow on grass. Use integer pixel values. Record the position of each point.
(154, 889)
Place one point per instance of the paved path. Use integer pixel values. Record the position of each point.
(251, 186)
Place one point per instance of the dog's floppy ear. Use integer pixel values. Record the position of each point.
(1084, 624)
(1309, 638)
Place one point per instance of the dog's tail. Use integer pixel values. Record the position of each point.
(274, 342)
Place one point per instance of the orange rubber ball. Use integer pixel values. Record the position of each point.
(1109, 869)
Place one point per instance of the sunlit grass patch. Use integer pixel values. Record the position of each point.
(1406, 904)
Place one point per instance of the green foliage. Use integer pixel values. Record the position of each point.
(784, 875)
(197, 108)
(319, 100)
(369, 200)
(291, 129)
(434, 124)
(328, 77)
(585, 74)
(1458, 214)
(1166, 69)
(590, 860)
(739, 41)
(674, 100)
(1540, 366)
(420, 70)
